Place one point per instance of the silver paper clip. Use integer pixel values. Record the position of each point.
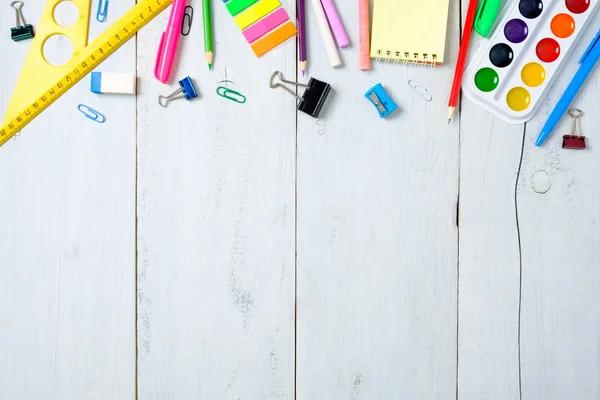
(420, 89)
(91, 113)
(231, 95)
(102, 10)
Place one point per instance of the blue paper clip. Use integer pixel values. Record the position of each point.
(186, 90)
(102, 11)
(231, 95)
(91, 113)
(382, 102)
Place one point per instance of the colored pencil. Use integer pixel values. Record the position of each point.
(462, 58)
(208, 40)
(364, 62)
(302, 35)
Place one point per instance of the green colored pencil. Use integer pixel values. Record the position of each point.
(208, 41)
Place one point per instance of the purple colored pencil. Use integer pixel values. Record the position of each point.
(302, 34)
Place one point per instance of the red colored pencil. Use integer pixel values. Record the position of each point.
(462, 58)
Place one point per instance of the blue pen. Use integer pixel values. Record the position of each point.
(588, 60)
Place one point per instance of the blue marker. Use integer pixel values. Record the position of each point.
(588, 60)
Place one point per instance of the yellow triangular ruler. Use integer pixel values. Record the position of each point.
(37, 74)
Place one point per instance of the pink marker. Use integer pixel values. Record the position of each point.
(334, 22)
(168, 42)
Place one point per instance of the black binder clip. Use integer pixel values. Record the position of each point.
(574, 141)
(313, 98)
(23, 30)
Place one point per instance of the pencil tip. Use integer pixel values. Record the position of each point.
(210, 67)
(449, 120)
(303, 72)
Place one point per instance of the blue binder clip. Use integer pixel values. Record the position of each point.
(186, 90)
(382, 102)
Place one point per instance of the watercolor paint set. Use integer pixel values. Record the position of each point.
(513, 70)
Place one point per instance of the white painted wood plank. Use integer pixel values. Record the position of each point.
(488, 362)
(557, 343)
(216, 224)
(67, 228)
(377, 240)
(561, 252)
(490, 149)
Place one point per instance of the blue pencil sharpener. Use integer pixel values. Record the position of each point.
(380, 99)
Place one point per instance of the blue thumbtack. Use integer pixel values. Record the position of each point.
(382, 102)
(186, 91)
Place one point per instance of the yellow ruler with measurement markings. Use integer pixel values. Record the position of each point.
(84, 61)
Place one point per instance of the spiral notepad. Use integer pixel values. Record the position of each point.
(409, 31)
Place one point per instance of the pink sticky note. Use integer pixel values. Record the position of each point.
(265, 25)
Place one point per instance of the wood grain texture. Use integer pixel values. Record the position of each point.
(377, 240)
(538, 340)
(490, 149)
(560, 251)
(67, 235)
(216, 224)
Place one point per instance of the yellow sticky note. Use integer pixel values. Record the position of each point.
(256, 12)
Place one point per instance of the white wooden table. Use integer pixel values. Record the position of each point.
(212, 250)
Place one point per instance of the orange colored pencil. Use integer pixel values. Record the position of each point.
(462, 58)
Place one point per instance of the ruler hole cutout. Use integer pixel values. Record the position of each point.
(66, 13)
(57, 49)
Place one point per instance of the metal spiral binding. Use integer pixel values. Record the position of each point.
(424, 59)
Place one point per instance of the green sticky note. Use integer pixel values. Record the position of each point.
(236, 6)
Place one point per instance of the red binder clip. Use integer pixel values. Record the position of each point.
(574, 141)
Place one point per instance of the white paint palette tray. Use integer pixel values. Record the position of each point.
(513, 70)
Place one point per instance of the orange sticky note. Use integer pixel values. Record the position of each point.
(273, 39)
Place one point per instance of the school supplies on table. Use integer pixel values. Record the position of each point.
(208, 41)
(92, 114)
(264, 24)
(22, 29)
(102, 12)
(574, 140)
(380, 99)
(335, 23)
(364, 60)
(167, 47)
(587, 63)
(330, 47)
(486, 16)
(462, 59)
(186, 22)
(230, 94)
(301, 18)
(108, 82)
(186, 91)
(513, 71)
(39, 86)
(409, 31)
(312, 99)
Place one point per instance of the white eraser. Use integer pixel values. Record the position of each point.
(107, 82)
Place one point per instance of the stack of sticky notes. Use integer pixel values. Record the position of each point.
(264, 23)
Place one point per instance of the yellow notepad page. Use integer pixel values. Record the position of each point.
(411, 31)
